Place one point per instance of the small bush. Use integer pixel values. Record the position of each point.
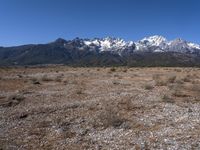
(148, 87)
(110, 116)
(178, 70)
(125, 70)
(13, 100)
(156, 77)
(46, 78)
(158, 80)
(115, 82)
(161, 83)
(179, 93)
(35, 81)
(58, 78)
(187, 78)
(79, 92)
(179, 81)
(171, 79)
(195, 87)
(113, 69)
(167, 99)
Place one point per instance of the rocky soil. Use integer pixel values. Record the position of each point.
(60, 107)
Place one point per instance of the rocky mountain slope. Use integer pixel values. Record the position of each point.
(150, 51)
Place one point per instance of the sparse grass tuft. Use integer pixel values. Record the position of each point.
(110, 116)
(158, 80)
(187, 78)
(45, 78)
(148, 87)
(113, 69)
(179, 93)
(59, 78)
(13, 100)
(171, 79)
(178, 70)
(167, 99)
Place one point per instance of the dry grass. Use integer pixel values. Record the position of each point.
(171, 79)
(113, 69)
(13, 100)
(110, 116)
(168, 99)
(99, 108)
(148, 86)
(46, 78)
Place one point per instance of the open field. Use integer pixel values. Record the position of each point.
(99, 108)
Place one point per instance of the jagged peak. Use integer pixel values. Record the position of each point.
(179, 40)
(155, 38)
(60, 40)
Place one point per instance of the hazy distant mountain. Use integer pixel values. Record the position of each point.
(150, 51)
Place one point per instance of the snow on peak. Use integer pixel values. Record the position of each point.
(154, 43)
(193, 45)
(109, 43)
(155, 40)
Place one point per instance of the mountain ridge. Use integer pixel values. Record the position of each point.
(107, 51)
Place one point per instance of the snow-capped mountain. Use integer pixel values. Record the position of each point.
(154, 43)
(160, 44)
(110, 44)
(150, 51)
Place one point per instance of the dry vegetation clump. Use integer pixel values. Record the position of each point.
(80, 86)
(171, 79)
(179, 81)
(159, 81)
(79, 91)
(59, 78)
(187, 78)
(148, 86)
(110, 116)
(127, 103)
(179, 93)
(13, 100)
(112, 69)
(35, 80)
(164, 80)
(115, 82)
(195, 87)
(168, 99)
(46, 78)
(125, 70)
(178, 70)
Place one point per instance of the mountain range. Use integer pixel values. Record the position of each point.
(150, 51)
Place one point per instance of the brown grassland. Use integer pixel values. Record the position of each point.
(59, 107)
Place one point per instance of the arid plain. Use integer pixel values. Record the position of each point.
(59, 107)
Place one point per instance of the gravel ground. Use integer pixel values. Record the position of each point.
(59, 107)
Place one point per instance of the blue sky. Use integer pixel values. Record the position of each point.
(41, 21)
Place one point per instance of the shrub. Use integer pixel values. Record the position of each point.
(148, 87)
(110, 116)
(161, 82)
(177, 70)
(113, 69)
(46, 78)
(167, 99)
(79, 91)
(179, 93)
(125, 70)
(14, 100)
(171, 79)
(59, 78)
(187, 78)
